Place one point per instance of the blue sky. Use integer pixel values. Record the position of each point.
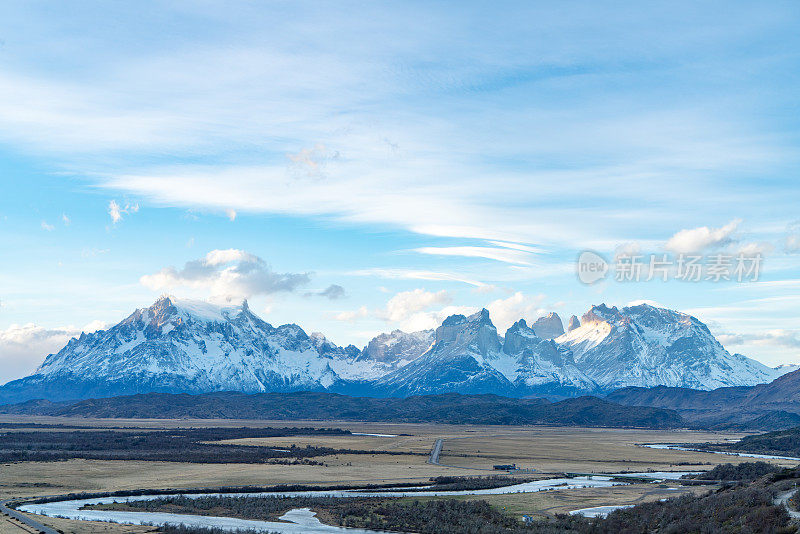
(361, 167)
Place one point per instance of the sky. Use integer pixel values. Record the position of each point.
(357, 167)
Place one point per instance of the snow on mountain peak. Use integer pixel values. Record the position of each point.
(169, 307)
(646, 346)
(187, 345)
(477, 330)
(599, 313)
(398, 347)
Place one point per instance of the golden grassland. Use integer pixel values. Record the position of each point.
(584, 450)
(468, 450)
(418, 444)
(546, 503)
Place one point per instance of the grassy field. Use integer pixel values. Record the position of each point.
(586, 450)
(560, 502)
(471, 450)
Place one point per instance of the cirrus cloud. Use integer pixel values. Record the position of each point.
(511, 255)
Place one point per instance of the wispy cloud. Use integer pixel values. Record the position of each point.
(501, 157)
(518, 246)
(116, 211)
(506, 255)
(413, 274)
(332, 292)
(311, 162)
(459, 173)
(93, 252)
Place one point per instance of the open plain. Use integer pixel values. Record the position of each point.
(398, 453)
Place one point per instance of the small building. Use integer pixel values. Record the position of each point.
(505, 467)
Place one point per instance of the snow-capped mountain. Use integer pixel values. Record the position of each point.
(191, 346)
(542, 363)
(466, 356)
(179, 345)
(398, 348)
(648, 346)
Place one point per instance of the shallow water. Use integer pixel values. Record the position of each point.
(599, 511)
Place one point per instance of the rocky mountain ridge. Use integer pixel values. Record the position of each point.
(178, 345)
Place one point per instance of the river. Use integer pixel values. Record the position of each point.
(741, 454)
(300, 520)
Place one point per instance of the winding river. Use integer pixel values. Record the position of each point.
(299, 521)
(740, 454)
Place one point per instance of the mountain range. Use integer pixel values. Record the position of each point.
(184, 346)
(771, 406)
(449, 408)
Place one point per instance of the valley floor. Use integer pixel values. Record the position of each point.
(467, 451)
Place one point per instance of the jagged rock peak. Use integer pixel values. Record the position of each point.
(477, 327)
(169, 306)
(518, 325)
(574, 323)
(646, 346)
(398, 346)
(179, 345)
(518, 336)
(599, 313)
(548, 327)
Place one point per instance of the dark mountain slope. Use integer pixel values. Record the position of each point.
(770, 406)
(449, 408)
